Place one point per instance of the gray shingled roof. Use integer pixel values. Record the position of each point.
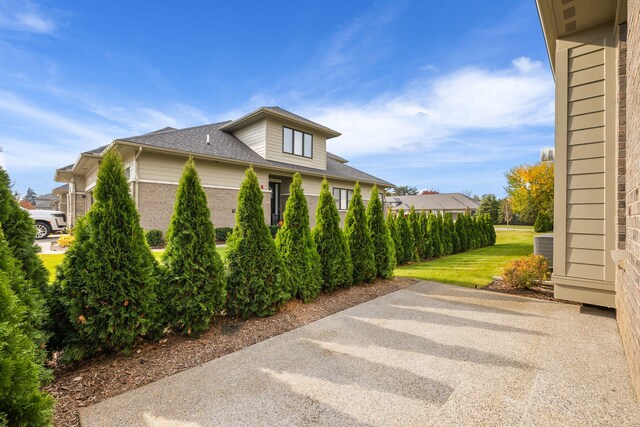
(226, 146)
(435, 202)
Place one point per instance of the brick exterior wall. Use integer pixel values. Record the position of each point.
(155, 203)
(628, 275)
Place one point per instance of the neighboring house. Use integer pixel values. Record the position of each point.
(276, 142)
(456, 203)
(595, 57)
(47, 202)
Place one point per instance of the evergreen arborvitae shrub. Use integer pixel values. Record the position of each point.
(359, 240)
(193, 281)
(406, 236)
(425, 251)
(447, 233)
(393, 232)
(414, 226)
(107, 282)
(21, 372)
(20, 233)
(384, 249)
(543, 223)
(484, 222)
(296, 246)
(492, 231)
(461, 231)
(455, 240)
(433, 228)
(255, 276)
(331, 244)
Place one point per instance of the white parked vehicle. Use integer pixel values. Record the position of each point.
(48, 222)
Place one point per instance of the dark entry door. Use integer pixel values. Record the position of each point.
(275, 202)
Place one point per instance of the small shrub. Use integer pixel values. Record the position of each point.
(526, 271)
(155, 238)
(65, 240)
(543, 223)
(223, 234)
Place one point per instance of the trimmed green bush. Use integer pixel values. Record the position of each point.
(461, 232)
(393, 232)
(21, 373)
(384, 250)
(544, 223)
(492, 231)
(406, 236)
(223, 234)
(414, 226)
(331, 244)
(425, 250)
(433, 228)
(154, 238)
(359, 240)
(448, 231)
(107, 280)
(296, 247)
(255, 276)
(455, 240)
(193, 285)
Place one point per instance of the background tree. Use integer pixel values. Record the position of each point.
(530, 189)
(21, 372)
(112, 301)
(505, 211)
(193, 285)
(255, 276)
(359, 240)
(296, 246)
(406, 237)
(30, 196)
(384, 250)
(393, 232)
(331, 244)
(26, 204)
(20, 233)
(404, 190)
(490, 205)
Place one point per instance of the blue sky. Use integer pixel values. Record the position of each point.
(437, 95)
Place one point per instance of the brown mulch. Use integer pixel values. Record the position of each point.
(541, 291)
(109, 375)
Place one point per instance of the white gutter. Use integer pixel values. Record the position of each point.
(137, 177)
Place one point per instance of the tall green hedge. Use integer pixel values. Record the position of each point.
(393, 232)
(455, 240)
(21, 373)
(426, 250)
(255, 276)
(413, 220)
(384, 249)
(448, 229)
(359, 240)
(193, 281)
(296, 246)
(461, 232)
(331, 244)
(108, 290)
(406, 236)
(435, 232)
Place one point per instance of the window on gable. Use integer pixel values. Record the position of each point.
(343, 197)
(297, 142)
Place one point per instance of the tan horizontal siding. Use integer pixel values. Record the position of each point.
(588, 105)
(587, 60)
(585, 271)
(254, 135)
(582, 196)
(583, 50)
(585, 256)
(585, 241)
(588, 90)
(586, 136)
(585, 226)
(585, 181)
(587, 75)
(586, 121)
(586, 211)
(274, 146)
(586, 151)
(585, 166)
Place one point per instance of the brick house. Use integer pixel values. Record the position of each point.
(453, 203)
(594, 50)
(276, 142)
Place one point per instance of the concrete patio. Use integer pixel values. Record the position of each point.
(430, 354)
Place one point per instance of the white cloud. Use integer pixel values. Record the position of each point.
(431, 111)
(26, 17)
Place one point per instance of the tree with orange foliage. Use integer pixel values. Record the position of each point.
(530, 189)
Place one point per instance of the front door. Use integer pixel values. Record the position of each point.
(275, 202)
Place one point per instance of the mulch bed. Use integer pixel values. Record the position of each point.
(541, 291)
(109, 375)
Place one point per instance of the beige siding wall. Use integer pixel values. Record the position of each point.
(585, 167)
(274, 146)
(254, 136)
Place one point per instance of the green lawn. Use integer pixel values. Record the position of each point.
(473, 268)
(51, 261)
(515, 227)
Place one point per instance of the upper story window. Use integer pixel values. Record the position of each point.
(297, 142)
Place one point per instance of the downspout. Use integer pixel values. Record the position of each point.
(137, 181)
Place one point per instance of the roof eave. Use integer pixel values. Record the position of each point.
(549, 30)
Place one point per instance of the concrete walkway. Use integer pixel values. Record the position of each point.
(428, 355)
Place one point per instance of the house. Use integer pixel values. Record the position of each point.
(46, 202)
(276, 142)
(455, 203)
(594, 50)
